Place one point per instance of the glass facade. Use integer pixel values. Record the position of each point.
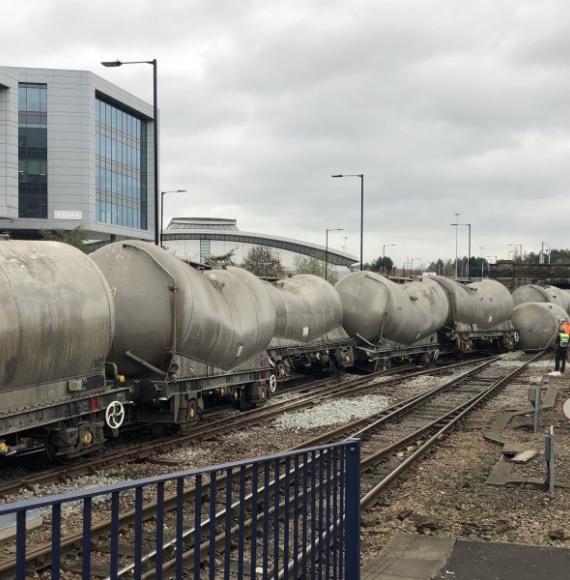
(32, 150)
(121, 167)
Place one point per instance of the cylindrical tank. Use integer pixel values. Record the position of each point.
(537, 324)
(485, 303)
(536, 293)
(56, 314)
(374, 307)
(306, 306)
(218, 317)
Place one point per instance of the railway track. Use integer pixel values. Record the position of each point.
(305, 395)
(147, 509)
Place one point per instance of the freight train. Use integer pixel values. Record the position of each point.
(132, 334)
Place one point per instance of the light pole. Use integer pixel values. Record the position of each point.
(516, 246)
(345, 238)
(456, 224)
(481, 248)
(361, 176)
(327, 249)
(153, 62)
(384, 246)
(162, 194)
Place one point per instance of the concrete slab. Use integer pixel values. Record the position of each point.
(484, 561)
(408, 557)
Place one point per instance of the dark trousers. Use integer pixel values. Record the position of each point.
(560, 360)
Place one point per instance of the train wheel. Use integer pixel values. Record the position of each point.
(272, 385)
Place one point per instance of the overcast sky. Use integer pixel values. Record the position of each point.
(445, 106)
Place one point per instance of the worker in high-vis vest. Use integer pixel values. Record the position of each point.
(562, 341)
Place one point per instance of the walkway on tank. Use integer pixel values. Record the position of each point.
(409, 557)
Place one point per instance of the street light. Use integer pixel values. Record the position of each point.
(361, 176)
(327, 249)
(162, 194)
(384, 246)
(481, 248)
(153, 62)
(519, 246)
(457, 224)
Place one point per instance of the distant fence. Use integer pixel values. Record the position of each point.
(290, 515)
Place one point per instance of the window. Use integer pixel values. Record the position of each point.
(121, 168)
(32, 151)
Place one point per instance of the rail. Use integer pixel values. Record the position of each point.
(293, 500)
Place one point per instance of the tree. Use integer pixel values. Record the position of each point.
(222, 259)
(263, 263)
(314, 266)
(76, 237)
(383, 265)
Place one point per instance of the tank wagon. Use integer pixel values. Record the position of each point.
(537, 324)
(390, 321)
(56, 326)
(537, 293)
(183, 333)
(419, 320)
(479, 315)
(308, 332)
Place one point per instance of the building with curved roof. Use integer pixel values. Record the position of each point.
(197, 239)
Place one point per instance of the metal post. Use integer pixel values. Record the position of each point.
(161, 214)
(469, 255)
(155, 114)
(352, 516)
(326, 255)
(456, 224)
(550, 459)
(361, 221)
(541, 260)
(537, 407)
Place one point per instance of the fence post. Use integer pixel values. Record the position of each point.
(352, 507)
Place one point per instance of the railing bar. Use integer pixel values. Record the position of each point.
(266, 476)
(114, 541)
(212, 532)
(253, 544)
(86, 551)
(342, 513)
(296, 517)
(228, 524)
(55, 541)
(197, 525)
(276, 524)
(286, 515)
(179, 525)
(328, 519)
(21, 544)
(336, 543)
(159, 529)
(321, 510)
(305, 516)
(138, 532)
(313, 512)
(241, 537)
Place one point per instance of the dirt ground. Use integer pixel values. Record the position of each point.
(447, 494)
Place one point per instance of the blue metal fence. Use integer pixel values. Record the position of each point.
(291, 515)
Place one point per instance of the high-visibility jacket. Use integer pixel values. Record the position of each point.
(563, 339)
(565, 327)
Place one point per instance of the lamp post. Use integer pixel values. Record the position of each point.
(456, 224)
(153, 62)
(384, 246)
(361, 176)
(327, 250)
(162, 194)
(481, 248)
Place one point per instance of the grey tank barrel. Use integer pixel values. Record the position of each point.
(307, 307)
(56, 314)
(485, 303)
(537, 293)
(218, 317)
(537, 324)
(374, 307)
